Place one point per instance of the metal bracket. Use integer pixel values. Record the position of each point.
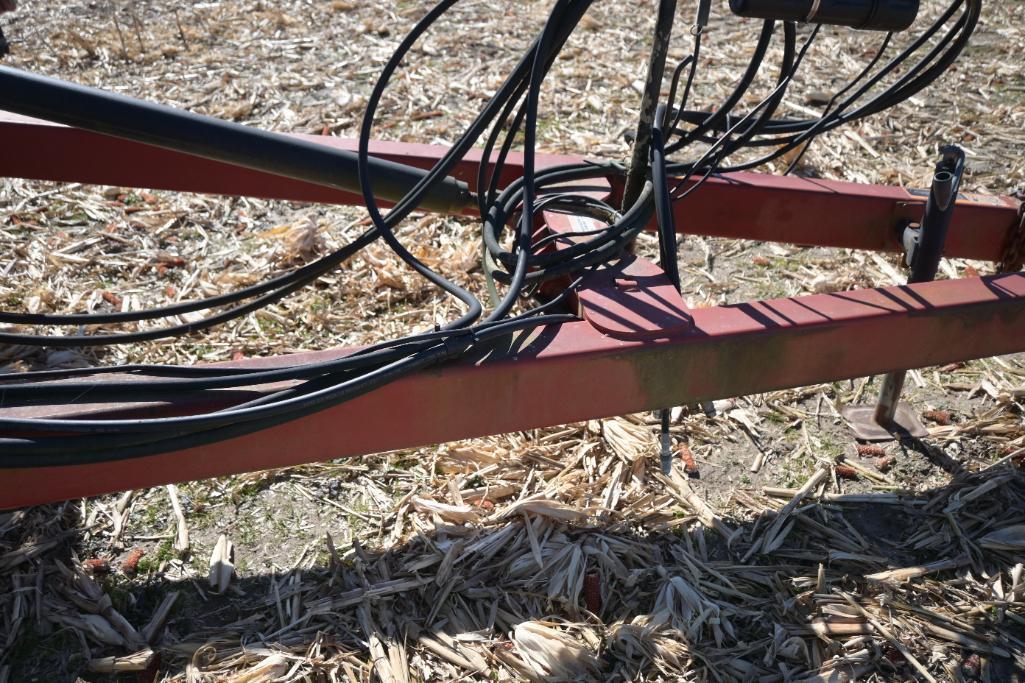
(910, 238)
(630, 298)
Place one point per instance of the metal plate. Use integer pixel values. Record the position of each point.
(906, 423)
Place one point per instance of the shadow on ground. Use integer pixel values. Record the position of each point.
(540, 590)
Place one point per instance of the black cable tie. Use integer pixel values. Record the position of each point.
(459, 343)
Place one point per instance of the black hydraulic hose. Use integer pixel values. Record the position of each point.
(521, 244)
(74, 341)
(689, 85)
(160, 435)
(447, 347)
(105, 391)
(154, 124)
(718, 149)
(836, 118)
(564, 17)
(384, 226)
(25, 389)
(724, 146)
(305, 274)
(765, 118)
(787, 71)
(509, 199)
(710, 121)
(625, 231)
(840, 93)
(805, 130)
(913, 81)
(124, 439)
(674, 84)
(458, 150)
(606, 245)
(488, 179)
(667, 239)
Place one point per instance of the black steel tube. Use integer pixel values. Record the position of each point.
(938, 211)
(638, 172)
(109, 113)
(925, 260)
(873, 15)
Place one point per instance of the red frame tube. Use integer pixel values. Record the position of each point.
(573, 372)
(754, 206)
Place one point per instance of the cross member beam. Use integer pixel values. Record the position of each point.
(755, 206)
(573, 372)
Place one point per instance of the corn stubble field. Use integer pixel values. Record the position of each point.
(553, 554)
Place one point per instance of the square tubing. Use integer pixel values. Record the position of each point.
(548, 377)
(744, 205)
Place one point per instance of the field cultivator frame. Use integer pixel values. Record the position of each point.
(637, 346)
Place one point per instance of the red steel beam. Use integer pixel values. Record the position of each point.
(831, 213)
(738, 205)
(572, 372)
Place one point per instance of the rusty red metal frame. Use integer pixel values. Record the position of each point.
(637, 347)
(755, 206)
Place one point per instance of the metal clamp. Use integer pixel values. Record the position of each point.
(910, 238)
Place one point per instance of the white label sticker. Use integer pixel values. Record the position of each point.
(583, 224)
